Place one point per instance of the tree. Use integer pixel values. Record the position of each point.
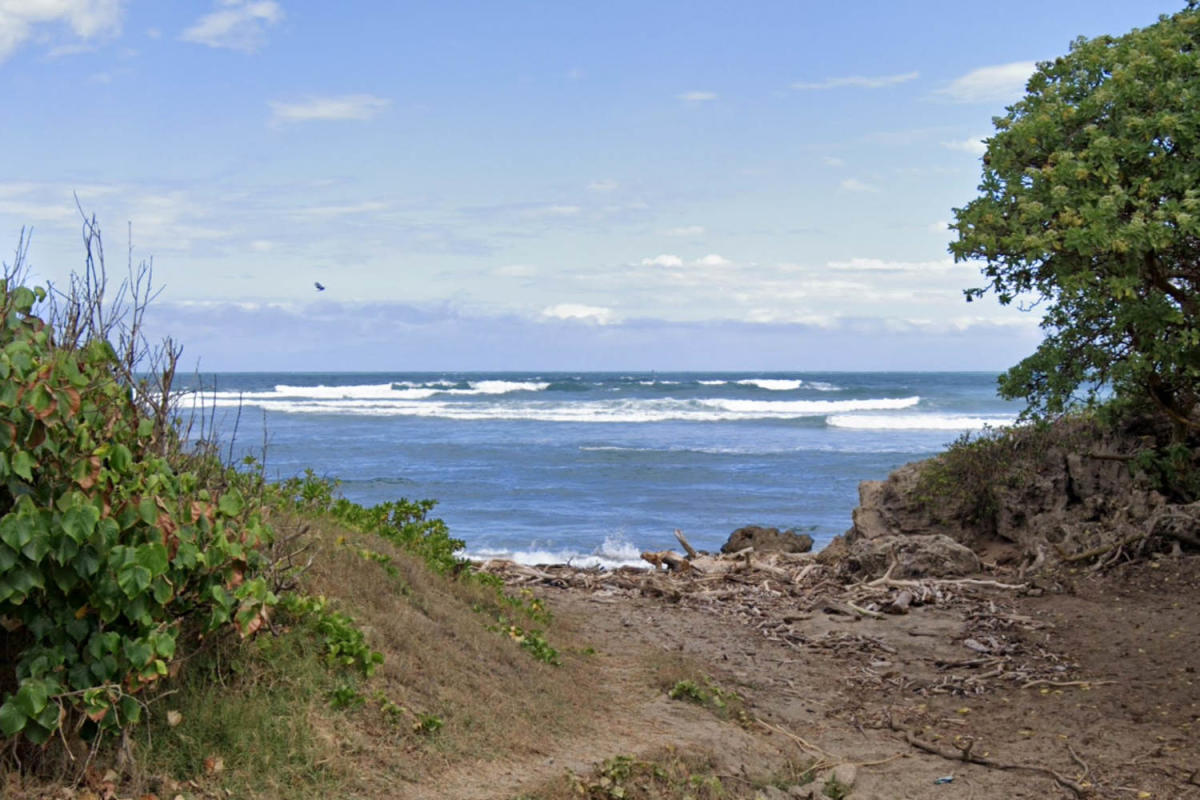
(1089, 208)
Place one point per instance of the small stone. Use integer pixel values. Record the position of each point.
(845, 774)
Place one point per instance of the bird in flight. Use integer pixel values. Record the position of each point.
(317, 284)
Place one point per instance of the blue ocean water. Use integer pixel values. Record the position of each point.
(593, 467)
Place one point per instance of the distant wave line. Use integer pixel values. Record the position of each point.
(914, 422)
(627, 410)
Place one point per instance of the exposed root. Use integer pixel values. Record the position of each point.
(1046, 682)
(965, 754)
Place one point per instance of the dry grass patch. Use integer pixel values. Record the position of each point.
(454, 684)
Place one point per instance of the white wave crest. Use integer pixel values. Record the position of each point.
(916, 422)
(772, 384)
(613, 553)
(378, 392)
(784, 408)
(501, 387)
(627, 410)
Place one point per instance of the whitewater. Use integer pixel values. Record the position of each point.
(591, 468)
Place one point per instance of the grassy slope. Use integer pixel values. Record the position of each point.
(262, 718)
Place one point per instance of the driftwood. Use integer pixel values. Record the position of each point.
(964, 754)
(669, 559)
(687, 547)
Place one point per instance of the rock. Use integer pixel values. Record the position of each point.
(845, 774)
(765, 540)
(917, 556)
(894, 506)
(771, 793)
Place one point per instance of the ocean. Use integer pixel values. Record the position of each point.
(591, 468)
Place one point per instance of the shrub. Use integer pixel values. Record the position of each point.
(107, 552)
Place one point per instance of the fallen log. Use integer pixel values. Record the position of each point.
(669, 559)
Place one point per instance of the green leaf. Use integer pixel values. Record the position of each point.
(164, 645)
(79, 522)
(222, 598)
(12, 719)
(147, 510)
(133, 579)
(119, 458)
(37, 733)
(16, 531)
(23, 299)
(31, 698)
(130, 709)
(162, 590)
(23, 464)
(231, 503)
(37, 547)
(86, 562)
(152, 556)
(139, 652)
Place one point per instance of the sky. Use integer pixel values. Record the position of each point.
(493, 185)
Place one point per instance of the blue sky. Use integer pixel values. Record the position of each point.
(549, 185)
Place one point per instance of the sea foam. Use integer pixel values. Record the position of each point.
(596, 411)
(914, 422)
(616, 551)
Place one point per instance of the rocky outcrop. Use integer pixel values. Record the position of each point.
(767, 540)
(915, 556)
(1066, 495)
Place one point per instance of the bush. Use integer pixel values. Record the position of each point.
(107, 552)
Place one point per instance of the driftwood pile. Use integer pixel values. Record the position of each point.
(779, 594)
(808, 581)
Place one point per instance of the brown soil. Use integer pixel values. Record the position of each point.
(1084, 685)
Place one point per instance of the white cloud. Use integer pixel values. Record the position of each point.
(515, 271)
(686, 231)
(664, 260)
(347, 106)
(553, 211)
(833, 161)
(941, 226)
(235, 25)
(881, 265)
(855, 185)
(713, 260)
(698, 97)
(973, 145)
(85, 18)
(858, 81)
(606, 185)
(1003, 83)
(262, 245)
(352, 209)
(576, 311)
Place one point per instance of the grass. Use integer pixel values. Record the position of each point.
(682, 680)
(251, 710)
(278, 716)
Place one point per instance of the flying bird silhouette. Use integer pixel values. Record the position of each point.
(317, 284)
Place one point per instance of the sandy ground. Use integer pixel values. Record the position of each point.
(1085, 686)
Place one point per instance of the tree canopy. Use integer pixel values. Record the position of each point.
(1089, 209)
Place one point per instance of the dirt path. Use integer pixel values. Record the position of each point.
(1093, 680)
